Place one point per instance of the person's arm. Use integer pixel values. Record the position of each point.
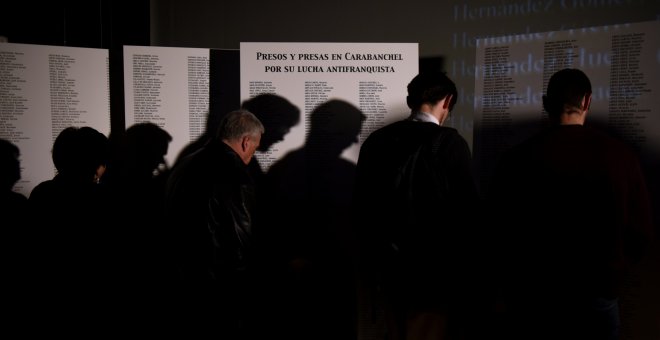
(639, 231)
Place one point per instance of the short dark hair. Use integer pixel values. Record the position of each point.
(430, 87)
(566, 89)
(79, 151)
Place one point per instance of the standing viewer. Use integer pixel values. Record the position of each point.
(210, 208)
(12, 204)
(576, 213)
(415, 196)
(13, 213)
(73, 246)
(136, 179)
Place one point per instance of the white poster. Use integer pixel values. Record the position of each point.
(168, 86)
(44, 89)
(622, 62)
(372, 77)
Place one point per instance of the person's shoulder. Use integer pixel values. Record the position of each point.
(448, 131)
(448, 134)
(610, 142)
(12, 198)
(407, 126)
(43, 187)
(45, 192)
(389, 128)
(379, 135)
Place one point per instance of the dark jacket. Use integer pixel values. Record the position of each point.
(415, 199)
(210, 202)
(71, 255)
(573, 211)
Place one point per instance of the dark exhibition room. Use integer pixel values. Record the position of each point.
(347, 170)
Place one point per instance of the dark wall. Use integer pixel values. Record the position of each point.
(92, 24)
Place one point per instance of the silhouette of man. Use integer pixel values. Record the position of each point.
(415, 198)
(311, 245)
(575, 213)
(210, 208)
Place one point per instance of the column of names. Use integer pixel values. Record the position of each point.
(626, 111)
(12, 102)
(372, 105)
(63, 95)
(147, 82)
(316, 93)
(198, 94)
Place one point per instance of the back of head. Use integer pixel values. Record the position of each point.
(566, 89)
(430, 87)
(10, 167)
(237, 124)
(78, 152)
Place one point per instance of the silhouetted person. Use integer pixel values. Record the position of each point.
(210, 208)
(13, 204)
(309, 192)
(574, 213)
(15, 243)
(136, 178)
(69, 217)
(415, 203)
(277, 114)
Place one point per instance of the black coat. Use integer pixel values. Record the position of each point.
(415, 202)
(209, 207)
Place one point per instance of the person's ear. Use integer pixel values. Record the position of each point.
(245, 143)
(447, 100)
(586, 101)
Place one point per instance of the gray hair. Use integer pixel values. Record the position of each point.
(239, 123)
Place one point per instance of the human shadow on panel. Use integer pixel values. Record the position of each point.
(213, 118)
(13, 209)
(13, 203)
(278, 115)
(136, 179)
(310, 245)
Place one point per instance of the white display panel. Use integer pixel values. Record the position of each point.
(371, 76)
(44, 89)
(168, 86)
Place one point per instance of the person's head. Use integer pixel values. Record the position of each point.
(569, 92)
(81, 153)
(333, 126)
(146, 145)
(432, 92)
(10, 166)
(276, 113)
(242, 131)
